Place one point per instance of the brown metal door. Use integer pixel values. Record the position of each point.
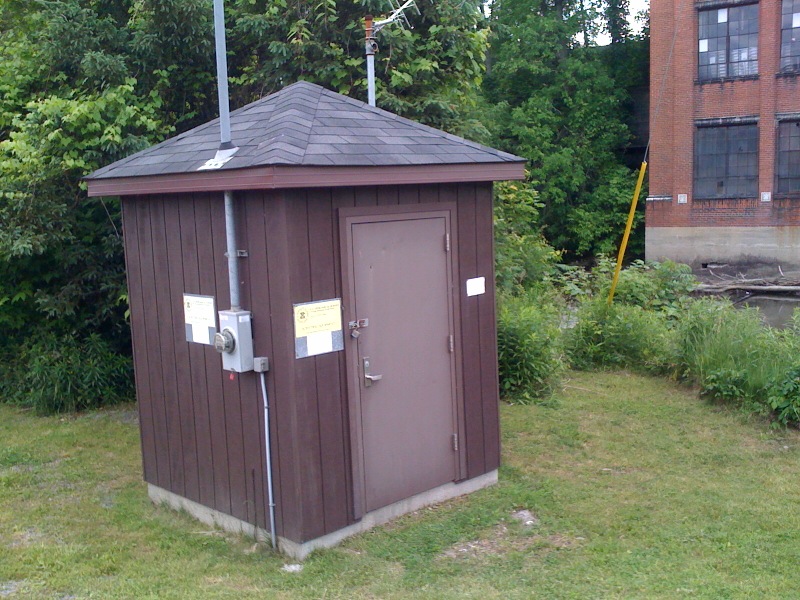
(403, 366)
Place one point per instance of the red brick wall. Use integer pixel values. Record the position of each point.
(672, 124)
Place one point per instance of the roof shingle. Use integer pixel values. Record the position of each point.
(307, 125)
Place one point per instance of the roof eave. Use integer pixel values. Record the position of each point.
(285, 177)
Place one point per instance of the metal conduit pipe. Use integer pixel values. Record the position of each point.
(233, 255)
(225, 143)
(226, 150)
(269, 461)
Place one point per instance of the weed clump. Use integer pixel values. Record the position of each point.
(654, 325)
(729, 352)
(619, 336)
(64, 374)
(529, 349)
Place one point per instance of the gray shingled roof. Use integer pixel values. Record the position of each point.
(307, 125)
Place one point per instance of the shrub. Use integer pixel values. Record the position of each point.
(730, 353)
(62, 374)
(725, 384)
(784, 398)
(523, 257)
(619, 336)
(662, 286)
(529, 349)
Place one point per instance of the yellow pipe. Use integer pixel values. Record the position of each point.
(628, 227)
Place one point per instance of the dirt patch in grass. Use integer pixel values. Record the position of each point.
(503, 539)
(9, 588)
(28, 537)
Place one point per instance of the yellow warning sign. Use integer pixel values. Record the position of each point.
(317, 317)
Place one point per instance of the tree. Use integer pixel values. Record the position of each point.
(427, 73)
(60, 253)
(86, 82)
(554, 100)
(616, 17)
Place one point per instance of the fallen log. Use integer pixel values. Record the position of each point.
(732, 287)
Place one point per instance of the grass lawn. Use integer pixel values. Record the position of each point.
(636, 489)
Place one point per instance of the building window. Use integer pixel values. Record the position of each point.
(790, 36)
(788, 157)
(728, 42)
(726, 161)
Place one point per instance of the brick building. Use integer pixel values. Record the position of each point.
(725, 127)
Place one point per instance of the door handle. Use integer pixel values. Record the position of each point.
(369, 377)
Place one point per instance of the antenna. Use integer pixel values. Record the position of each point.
(397, 15)
(372, 28)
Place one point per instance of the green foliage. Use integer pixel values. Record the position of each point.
(559, 104)
(430, 73)
(661, 286)
(730, 353)
(725, 384)
(619, 336)
(523, 258)
(65, 374)
(784, 397)
(529, 349)
(61, 253)
(171, 49)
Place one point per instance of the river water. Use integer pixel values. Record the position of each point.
(776, 310)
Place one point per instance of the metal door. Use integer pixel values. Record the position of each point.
(402, 354)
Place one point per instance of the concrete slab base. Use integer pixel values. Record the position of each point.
(765, 252)
(299, 550)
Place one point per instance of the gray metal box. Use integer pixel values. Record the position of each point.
(239, 324)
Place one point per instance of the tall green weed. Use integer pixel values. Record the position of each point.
(731, 354)
(64, 374)
(529, 349)
(662, 286)
(619, 336)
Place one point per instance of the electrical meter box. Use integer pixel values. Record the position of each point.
(235, 340)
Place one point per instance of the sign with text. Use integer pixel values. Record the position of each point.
(318, 328)
(200, 318)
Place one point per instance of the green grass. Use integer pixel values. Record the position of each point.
(640, 489)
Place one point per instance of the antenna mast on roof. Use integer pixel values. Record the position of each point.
(372, 28)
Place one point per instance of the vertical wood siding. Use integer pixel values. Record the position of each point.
(203, 430)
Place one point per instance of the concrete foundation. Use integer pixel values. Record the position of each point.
(299, 550)
(768, 252)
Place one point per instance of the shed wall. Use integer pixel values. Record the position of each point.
(202, 430)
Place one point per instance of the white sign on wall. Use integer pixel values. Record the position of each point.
(476, 286)
(200, 318)
(318, 328)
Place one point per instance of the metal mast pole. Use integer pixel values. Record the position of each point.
(222, 76)
(370, 48)
(225, 144)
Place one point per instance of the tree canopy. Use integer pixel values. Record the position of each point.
(86, 82)
(560, 102)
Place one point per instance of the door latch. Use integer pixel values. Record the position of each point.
(354, 327)
(369, 378)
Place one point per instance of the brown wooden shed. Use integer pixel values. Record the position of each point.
(342, 209)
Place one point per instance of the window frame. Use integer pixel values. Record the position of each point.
(734, 175)
(786, 149)
(729, 44)
(790, 36)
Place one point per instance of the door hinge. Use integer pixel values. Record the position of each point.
(455, 442)
(451, 344)
(447, 242)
